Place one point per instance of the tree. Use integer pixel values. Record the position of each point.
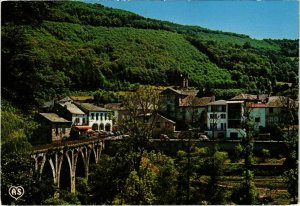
(109, 177)
(215, 166)
(291, 181)
(290, 135)
(142, 107)
(246, 193)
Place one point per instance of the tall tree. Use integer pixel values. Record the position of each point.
(142, 107)
(246, 193)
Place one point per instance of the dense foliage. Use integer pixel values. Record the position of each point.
(58, 47)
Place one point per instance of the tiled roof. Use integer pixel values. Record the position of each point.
(52, 117)
(219, 102)
(280, 101)
(194, 101)
(182, 91)
(258, 105)
(72, 108)
(92, 107)
(261, 97)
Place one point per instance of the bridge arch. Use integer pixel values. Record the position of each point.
(65, 172)
(80, 166)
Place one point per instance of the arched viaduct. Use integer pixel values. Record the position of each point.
(65, 161)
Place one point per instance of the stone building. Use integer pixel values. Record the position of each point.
(183, 106)
(54, 128)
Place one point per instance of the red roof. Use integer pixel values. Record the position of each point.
(83, 127)
(258, 105)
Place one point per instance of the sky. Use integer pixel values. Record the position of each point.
(259, 19)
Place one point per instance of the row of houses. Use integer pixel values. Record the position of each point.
(223, 118)
(66, 115)
(179, 109)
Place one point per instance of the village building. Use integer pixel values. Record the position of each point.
(275, 106)
(98, 118)
(67, 109)
(235, 114)
(216, 119)
(258, 115)
(183, 106)
(54, 128)
(163, 125)
(119, 114)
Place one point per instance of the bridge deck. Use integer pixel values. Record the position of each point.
(44, 147)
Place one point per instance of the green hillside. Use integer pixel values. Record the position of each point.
(58, 47)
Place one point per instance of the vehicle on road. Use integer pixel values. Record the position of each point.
(164, 137)
(203, 137)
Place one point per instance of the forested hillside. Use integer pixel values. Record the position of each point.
(52, 48)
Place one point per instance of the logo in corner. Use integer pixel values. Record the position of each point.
(16, 192)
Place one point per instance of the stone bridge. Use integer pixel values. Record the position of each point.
(67, 160)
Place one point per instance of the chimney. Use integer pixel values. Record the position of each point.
(213, 98)
(184, 83)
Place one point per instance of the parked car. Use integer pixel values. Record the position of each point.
(203, 137)
(164, 137)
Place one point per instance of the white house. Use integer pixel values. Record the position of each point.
(216, 119)
(67, 109)
(258, 115)
(97, 117)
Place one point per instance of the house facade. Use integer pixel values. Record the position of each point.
(258, 115)
(163, 125)
(67, 109)
(216, 119)
(183, 106)
(54, 128)
(235, 114)
(98, 118)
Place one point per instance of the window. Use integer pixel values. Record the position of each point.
(157, 124)
(257, 119)
(56, 130)
(105, 116)
(92, 114)
(101, 116)
(223, 116)
(77, 120)
(271, 110)
(223, 108)
(214, 108)
(64, 130)
(213, 125)
(97, 116)
(213, 116)
(83, 120)
(233, 135)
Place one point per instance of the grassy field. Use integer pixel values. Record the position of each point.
(270, 188)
